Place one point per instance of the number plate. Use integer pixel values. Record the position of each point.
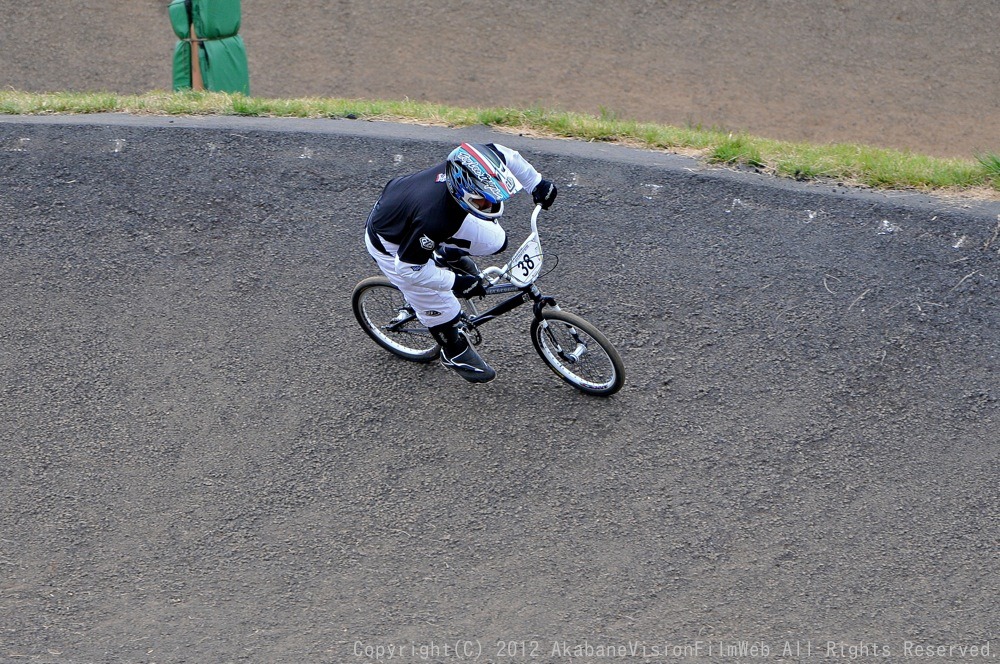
(526, 263)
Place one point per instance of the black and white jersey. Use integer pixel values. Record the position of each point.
(417, 213)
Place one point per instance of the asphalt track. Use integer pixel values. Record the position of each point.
(204, 459)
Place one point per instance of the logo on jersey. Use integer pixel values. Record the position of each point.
(432, 313)
(441, 178)
(426, 242)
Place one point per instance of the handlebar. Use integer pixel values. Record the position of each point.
(534, 218)
(494, 274)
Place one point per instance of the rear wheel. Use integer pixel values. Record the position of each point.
(385, 316)
(578, 352)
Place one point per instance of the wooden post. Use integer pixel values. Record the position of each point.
(196, 81)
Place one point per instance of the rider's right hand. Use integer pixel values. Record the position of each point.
(450, 254)
(467, 285)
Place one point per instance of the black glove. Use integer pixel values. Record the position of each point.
(450, 255)
(467, 285)
(544, 194)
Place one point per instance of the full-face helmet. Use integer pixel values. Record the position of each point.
(479, 180)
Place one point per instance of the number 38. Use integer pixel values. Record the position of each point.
(526, 264)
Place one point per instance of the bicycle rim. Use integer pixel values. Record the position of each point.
(578, 353)
(385, 316)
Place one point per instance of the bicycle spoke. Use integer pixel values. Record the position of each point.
(388, 319)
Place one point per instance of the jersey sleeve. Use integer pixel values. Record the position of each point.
(519, 166)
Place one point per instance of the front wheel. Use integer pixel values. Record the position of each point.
(578, 352)
(385, 316)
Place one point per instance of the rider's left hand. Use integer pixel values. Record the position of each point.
(544, 194)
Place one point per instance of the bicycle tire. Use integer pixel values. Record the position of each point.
(384, 315)
(594, 366)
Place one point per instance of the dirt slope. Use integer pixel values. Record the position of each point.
(914, 74)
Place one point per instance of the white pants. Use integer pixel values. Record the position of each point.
(433, 307)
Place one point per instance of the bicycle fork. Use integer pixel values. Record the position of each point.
(542, 301)
(574, 356)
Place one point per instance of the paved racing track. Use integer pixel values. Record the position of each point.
(205, 460)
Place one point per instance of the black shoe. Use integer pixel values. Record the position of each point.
(469, 366)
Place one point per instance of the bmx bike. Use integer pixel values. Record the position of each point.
(573, 348)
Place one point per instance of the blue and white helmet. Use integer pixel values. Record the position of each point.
(476, 171)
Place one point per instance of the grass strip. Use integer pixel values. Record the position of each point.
(847, 163)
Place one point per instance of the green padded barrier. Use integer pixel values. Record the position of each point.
(224, 65)
(223, 57)
(179, 19)
(182, 66)
(216, 19)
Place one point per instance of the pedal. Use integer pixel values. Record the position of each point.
(470, 331)
(405, 313)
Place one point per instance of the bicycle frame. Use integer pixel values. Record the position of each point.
(525, 295)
